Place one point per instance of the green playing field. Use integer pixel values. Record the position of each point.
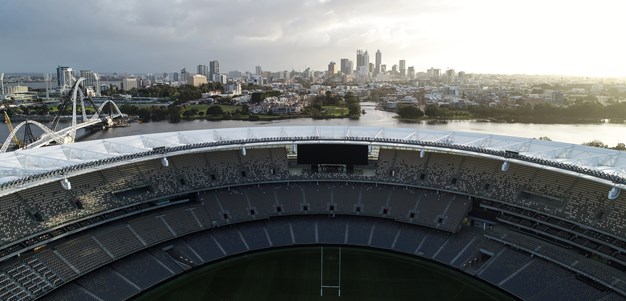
(298, 274)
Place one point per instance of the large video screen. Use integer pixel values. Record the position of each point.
(347, 154)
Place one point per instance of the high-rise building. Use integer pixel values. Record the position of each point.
(65, 79)
(383, 68)
(402, 68)
(175, 76)
(258, 70)
(92, 80)
(214, 68)
(433, 73)
(379, 59)
(411, 73)
(203, 70)
(346, 66)
(184, 75)
(331, 69)
(362, 63)
(129, 83)
(196, 80)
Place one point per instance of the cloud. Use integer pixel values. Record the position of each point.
(166, 35)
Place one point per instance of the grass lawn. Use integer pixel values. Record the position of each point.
(335, 111)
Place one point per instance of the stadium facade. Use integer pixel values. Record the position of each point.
(109, 219)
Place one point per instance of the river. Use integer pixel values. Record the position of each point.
(610, 134)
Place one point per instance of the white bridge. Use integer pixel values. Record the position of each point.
(68, 134)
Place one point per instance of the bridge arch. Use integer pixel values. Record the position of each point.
(49, 134)
(99, 112)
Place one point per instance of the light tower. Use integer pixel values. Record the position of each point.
(46, 78)
(2, 86)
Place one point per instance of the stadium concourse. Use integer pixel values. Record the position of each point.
(110, 219)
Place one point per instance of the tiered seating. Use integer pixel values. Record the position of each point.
(402, 203)
(454, 246)
(194, 169)
(119, 240)
(290, 198)
(206, 246)
(432, 243)
(442, 169)
(508, 184)
(230, 240)
(407, 167)
(279, 234)
(151, 229)
(15, 220)
(182, 221)
(303, 231)
(71, 292)
(409, 239)
(384, 234)
(503, 265)
(48, 199)
(476, 173)
(374, 199)
(225, 166)
(570, 289)
(358, 233)
(83, 253)
(317, 196)
(29, 279)
(142, 269)
(9, 290)
(331, 231)
(108, 285)
(534, 278)
(262, 199)
(235, 202)
(254, 235)
(56, 265)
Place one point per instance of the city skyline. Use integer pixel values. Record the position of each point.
(483, 36)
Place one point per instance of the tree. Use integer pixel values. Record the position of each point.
(214, 110)
(409, 112)
(620, 146)
(596, 143)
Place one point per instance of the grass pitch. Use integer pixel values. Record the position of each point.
(294, 274)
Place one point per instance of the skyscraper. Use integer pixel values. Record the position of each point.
(91, 80)
(402, 68)
(359, 58)
(214, 68)
(203, 70)
(331, 69)
(184, 75)
(258, 70)
(411, 72)
(65, 79)
(362, 63)
(346, 66)
(379, 59)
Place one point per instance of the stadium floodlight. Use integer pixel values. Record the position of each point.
(243, 151)
(65, 183)
(165, 162)
(614, 193)
(505, 165)
(422, 153)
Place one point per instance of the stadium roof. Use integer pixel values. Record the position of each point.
(21, 163)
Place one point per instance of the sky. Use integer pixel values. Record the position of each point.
(568, 37)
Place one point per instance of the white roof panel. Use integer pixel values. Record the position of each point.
(22, 163)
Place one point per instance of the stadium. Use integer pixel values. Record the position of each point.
(112, 219)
